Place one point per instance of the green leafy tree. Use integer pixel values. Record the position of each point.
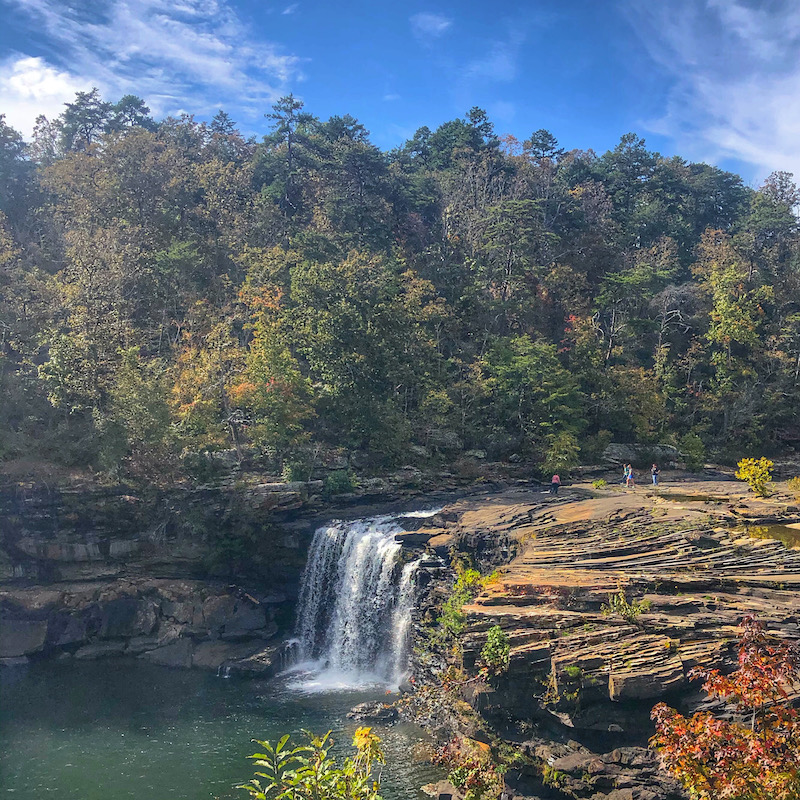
(533, 394)
(84, 120)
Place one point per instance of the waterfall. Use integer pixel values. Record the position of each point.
(356, 600)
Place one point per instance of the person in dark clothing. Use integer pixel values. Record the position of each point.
(555, 482)
(655, 472)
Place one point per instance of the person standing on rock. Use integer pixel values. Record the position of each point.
(655, 472)
(626, 470)
(629, 480)
(555, 482)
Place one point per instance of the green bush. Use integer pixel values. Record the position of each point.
(693, 451)
(308, 771)
(339, 482)
(468, 585)
(294, 471)
(495, 653)
(204, 468)
(599, 483)
(562, 453)
(629, 611)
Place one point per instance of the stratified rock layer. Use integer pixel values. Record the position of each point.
(613, 598)
(176, 623)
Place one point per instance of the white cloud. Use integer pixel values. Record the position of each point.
(500, 62)
(29, 87)
(429, 26)
(291, 9)
(186, 53)
(735, 74)
(390, 97)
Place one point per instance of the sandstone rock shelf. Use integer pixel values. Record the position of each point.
(684, 572)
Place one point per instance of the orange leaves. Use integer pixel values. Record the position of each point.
(756, 754)
(241, 393)
(262, 298)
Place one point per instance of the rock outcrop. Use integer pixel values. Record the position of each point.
(611, 599)
(174, 623)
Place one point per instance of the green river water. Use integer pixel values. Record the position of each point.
(127, 731)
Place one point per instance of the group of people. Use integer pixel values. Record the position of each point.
(629, 480)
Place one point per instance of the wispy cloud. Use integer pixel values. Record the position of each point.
(499, 63)
(735, 78)
(195, 53)
(291, 9)
(429, 26)
(390, 97)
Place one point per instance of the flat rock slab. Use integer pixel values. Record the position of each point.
(685, 580)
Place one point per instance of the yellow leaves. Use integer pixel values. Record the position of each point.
(262, 299)
(369, 748)
(756, 472)
(364, 738)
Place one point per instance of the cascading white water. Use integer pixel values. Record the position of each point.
(356, 600)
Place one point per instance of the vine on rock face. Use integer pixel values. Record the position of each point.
(468, 585)
(756, 754)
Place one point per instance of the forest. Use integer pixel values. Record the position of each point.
(173, 288)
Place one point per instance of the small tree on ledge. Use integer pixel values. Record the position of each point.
(755, 755)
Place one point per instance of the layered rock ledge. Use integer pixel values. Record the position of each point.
(612, 598)
(176, 623)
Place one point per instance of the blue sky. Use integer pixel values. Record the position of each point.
(713, 80)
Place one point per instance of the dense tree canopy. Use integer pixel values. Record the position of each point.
(174, 287)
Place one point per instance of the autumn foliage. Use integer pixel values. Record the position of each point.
(753, 753)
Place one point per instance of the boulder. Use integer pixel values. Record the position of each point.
(262, 664)
(249, 621)
(217, 611)
(177, 654)
(100, 650)
(19, 637)
(179, 611)
(415, 538)
(141, 644)
(66, 629)
(617, 454)
(212, 655)
(373, 712)
(245, 618)
(127, 616)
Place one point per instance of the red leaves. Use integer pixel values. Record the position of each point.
(756, 755)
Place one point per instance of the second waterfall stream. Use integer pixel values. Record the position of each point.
(355, 605)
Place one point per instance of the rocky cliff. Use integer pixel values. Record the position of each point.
(610, 599)
(203, 578)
